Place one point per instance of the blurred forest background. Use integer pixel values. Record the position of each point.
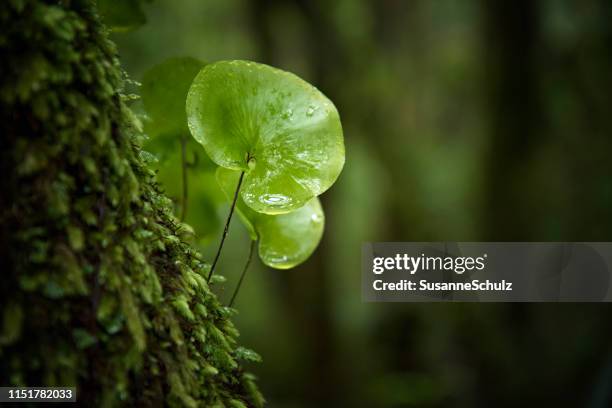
(464, 120)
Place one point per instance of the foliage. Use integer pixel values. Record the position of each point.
(100, 290)
(281, 131)
(287, 134)
(164, 90)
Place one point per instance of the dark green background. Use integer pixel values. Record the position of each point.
(464, 120)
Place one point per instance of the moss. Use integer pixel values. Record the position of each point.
(99, 290)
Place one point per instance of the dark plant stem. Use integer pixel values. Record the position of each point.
(226, 229)
(246, 267)
(184, 166)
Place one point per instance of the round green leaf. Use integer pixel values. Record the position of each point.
(164, 90)
(285, 240)
(278, 128)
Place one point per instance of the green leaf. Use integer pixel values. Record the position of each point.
(124, 15)
(285, 240)
(278, 128)
(164, 90)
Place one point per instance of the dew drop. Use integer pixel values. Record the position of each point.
(278, 259)
(315, 218)
(311, 110)
(276, 200)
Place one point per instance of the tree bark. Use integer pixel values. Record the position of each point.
(99, 289)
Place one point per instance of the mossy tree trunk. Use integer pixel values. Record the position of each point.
(99, 290)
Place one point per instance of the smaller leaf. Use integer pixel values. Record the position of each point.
(164, 91)
(285, 240)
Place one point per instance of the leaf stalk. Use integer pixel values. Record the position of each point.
(184, 167)
(244, 270)
(226, 229)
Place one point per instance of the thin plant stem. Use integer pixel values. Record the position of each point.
(246, 267)
(184, 166)
(226, 229)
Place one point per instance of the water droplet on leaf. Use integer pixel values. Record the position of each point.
(275, 199)
(311, 110)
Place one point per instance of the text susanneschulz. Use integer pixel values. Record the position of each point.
(425, 285)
